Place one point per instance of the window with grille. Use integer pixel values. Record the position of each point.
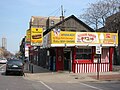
(83, 53)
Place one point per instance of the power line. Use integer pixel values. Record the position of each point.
(55, 12)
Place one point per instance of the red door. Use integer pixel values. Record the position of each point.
(59, 59)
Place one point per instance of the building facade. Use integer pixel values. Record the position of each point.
(112, 24)
(71, 45)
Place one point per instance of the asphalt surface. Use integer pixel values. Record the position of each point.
(46, 80)
(13, 81)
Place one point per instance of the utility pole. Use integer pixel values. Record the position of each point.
(62, 18)
(62, 12)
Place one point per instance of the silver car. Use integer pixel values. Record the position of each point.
(3, 60)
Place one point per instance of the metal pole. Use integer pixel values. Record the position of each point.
(98, 67)
(32, 68)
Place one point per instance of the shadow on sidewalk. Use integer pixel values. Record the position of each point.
(107, 77)
(31, 68)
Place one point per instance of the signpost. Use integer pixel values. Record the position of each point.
(98, 52)
(98, 49)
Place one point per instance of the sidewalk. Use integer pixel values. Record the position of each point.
(44, 75)
(36, 69)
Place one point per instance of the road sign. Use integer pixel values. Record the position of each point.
(98, 49)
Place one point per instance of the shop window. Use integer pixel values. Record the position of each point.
(84, 54)
(105, 55)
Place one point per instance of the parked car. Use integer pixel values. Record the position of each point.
(3, 60)
(15, 66)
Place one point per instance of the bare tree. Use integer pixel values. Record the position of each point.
(96, 14)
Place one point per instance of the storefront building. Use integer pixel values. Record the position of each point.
(71, 45)
(78, 50)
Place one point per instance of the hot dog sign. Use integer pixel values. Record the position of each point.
(36, 36)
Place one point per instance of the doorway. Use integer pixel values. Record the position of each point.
(67, 59)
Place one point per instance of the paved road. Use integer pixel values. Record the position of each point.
(15, 82)
(111, 85)
(84, 86)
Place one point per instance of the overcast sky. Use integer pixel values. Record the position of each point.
(15, 16)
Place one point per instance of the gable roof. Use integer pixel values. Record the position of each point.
(72, 16)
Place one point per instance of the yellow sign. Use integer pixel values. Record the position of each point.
(76, 38)
(36, 36)
(108, 38)
(86, 37)
(28, 36)
(96, 38)
(63, 37)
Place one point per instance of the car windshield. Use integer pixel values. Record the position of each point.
(2, 59)
(18, 62)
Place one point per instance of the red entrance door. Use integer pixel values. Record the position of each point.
(59, 59)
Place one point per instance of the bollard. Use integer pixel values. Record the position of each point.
(31, 68)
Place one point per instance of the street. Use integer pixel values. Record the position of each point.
(15, 82)
(84, 86)
(60, 45)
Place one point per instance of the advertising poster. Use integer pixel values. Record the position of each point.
(96, 38)
(26, 51)
(36, 36)
(28, 37)
(108, 38)
(60, 37)
(84, 37)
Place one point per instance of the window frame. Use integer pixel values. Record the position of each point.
(84, 49)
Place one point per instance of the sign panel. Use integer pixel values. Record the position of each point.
(26, 51)
(63, 37)
(28, 37)
(86, 37)
(36, 36)
(96, 38)
(46, 40)
(98, 49)
(108, 38)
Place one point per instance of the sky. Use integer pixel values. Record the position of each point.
(15, 16)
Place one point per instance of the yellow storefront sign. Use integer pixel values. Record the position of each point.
(108, 38)
(86, 37)
(36, 36)
(96, 38)
(63, 37)
(28, 36)
(81, 38)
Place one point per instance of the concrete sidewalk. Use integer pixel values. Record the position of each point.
(44, 75)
